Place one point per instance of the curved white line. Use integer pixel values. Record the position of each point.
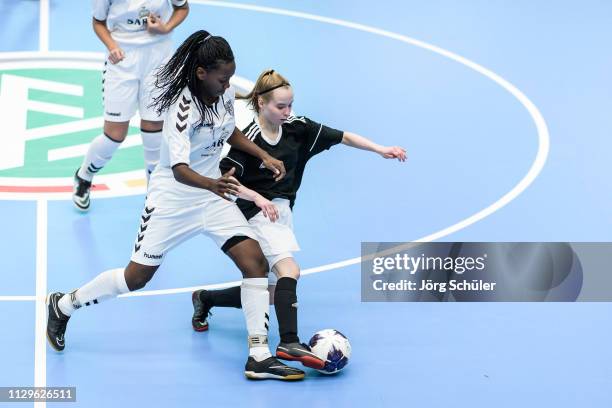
(534, 170)
(536, 167)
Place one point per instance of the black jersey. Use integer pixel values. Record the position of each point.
(299, 140)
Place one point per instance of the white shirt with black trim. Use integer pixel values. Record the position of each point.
(199, 147)
(127, 19)
(299, 140)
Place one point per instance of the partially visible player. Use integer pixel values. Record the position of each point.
(136, 34)
(187, 196)
(294, 140)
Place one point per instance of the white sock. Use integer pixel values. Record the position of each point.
(150, 144)
(105, 286)
(100, 151)
(255, 305)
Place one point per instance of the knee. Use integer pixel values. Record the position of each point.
(115, 136)
(292, 271)
(151, 126)
(295, 274)
(261, 266)
(136, 280)
(116, 131)
(137, 283)
(258, 268)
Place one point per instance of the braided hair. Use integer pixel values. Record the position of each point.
(200, 49)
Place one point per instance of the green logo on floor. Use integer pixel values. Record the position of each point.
(50, 109)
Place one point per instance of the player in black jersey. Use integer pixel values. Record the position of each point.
(186, 196)
(293, 140)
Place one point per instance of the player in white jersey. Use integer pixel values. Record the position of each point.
(136, 34)
(294, 140)
(187, 196)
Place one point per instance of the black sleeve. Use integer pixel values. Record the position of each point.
(321, 137)
(248, 208)
(235, 158)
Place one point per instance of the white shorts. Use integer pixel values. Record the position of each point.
(276, 239)
(161, 229)
(129, 85)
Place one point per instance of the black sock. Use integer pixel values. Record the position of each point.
(229, 297)
(285, 304)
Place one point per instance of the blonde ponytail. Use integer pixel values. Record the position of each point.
(268, 81)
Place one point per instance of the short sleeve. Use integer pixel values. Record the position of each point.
(236, 159)
(179, 3)
(100, 9)
(230, 95)
(321, 137)
(177, 131)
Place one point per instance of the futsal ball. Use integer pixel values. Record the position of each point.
(332, 347)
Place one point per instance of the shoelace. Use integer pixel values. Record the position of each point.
(200, 313)
(62, 326)
(82, 188)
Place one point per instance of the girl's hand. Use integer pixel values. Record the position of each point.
(115, 55)
(225, 185)
(394, 152)
(277, 167)
(268, 209)
(156, 26)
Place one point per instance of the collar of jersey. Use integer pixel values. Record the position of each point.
(263, 136)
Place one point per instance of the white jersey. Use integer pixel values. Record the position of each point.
(199, 147)
(127, 19)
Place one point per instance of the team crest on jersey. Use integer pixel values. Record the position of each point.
(229, 107)
(143, 12)
(141, 21)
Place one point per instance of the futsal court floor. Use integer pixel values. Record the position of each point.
(504, 109)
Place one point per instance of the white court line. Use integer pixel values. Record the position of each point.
(17, 298)
(534, 170)
(40, 352)
(179, 290)
(43, 27)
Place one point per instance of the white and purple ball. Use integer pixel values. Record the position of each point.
(333, 347)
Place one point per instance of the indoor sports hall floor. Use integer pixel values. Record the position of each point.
(504, 109)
